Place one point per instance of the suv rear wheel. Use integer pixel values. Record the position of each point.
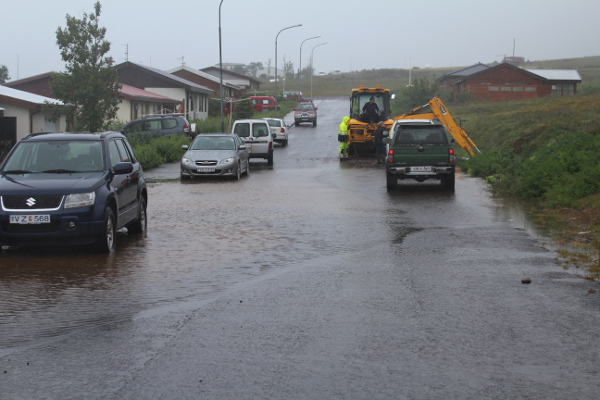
(140, 225)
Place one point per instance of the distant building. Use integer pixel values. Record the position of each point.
(508, 82)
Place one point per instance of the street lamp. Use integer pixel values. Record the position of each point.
(300, 65)
(221, 69)
(289, 27)
(312, 71)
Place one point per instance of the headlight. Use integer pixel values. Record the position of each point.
(186, 161)
(227, 161)
(80, 200)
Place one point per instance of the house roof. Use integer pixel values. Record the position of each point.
(215, 70)
(558, 74)
(497, 67)
(24, 99)
(29, 79)
(133, 93)
(473, 69)
(164, 75)
(204, 75)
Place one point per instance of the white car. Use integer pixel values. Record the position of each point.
(257, 136)
(279, 130)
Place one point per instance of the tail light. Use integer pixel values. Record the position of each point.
(451, 155)
(391, 156)
(186, 128)
(282, 130)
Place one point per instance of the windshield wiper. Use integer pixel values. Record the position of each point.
(59, 171)
(16, 172)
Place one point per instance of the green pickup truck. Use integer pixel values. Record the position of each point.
(419, 150)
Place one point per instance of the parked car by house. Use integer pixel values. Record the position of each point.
(296, 96)
(215, 154)
(257, 136)
(263, 103)
(305, 112)
(279, 130)
(163, 125)
(67, 188)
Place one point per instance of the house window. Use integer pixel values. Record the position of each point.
(493, 88)
(517, 89)
(568, 89)
(531, 89)
(556, 90)
(505, 88)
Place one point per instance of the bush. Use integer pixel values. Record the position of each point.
(153, 152)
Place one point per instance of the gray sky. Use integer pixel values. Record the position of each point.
(436, 33)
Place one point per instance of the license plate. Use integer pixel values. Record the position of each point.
(206, 170)
(30, 219)
(420, 169)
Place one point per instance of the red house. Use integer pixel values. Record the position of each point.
(508, 82)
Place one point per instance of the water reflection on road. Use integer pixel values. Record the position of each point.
(205, 236)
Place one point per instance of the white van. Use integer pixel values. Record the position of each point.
(257, 136)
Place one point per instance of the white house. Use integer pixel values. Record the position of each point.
(27, 109)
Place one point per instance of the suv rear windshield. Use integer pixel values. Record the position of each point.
(420, 135)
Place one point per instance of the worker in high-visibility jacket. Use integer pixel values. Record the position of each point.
(343, 138)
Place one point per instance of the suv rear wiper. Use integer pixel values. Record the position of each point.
(59, 171)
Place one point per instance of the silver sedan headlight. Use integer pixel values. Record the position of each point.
(187, 161)
(80, 200)
(227, 161)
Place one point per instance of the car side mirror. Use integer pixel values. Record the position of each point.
(274, 135)
(242, 147)
(185, 147)
(123, 168)
(386, 140)
(452, 140)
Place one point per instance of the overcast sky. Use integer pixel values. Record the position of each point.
(358, 34)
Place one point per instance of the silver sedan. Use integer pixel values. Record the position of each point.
(215, 154)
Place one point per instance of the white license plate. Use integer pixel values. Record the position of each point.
(30, 219)
(206, 170)
(420, 169)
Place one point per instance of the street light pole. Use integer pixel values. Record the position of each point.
(289, 27)
(300, 65)
(312, 71)
(221, 70)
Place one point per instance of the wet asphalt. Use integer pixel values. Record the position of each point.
(305, 280)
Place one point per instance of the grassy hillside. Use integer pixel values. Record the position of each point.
(396, 79)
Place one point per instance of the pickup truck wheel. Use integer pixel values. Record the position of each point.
(315, 122)
(296, 123)
(140, 225)
(449, 182)
(106, 240)
(391, 180)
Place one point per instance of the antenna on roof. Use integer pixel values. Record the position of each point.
(182, 60)
(126, 51)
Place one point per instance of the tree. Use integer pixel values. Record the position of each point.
(4, 74)
(243, 109)
(253, 68)
(288, 69)
(90, 84)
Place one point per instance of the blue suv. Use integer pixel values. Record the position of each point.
(71, 188)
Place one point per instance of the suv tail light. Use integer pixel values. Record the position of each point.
(391, 156)
(186, 128)
(451, 155)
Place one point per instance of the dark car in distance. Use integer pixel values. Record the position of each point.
(163, 125)
(71, 188)
(305, 112)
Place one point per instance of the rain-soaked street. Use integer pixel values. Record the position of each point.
(304, 280)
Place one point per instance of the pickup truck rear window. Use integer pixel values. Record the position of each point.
(420, 135)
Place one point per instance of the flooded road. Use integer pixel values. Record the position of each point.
(442, 268)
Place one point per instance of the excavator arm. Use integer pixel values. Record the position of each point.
(438, 110)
